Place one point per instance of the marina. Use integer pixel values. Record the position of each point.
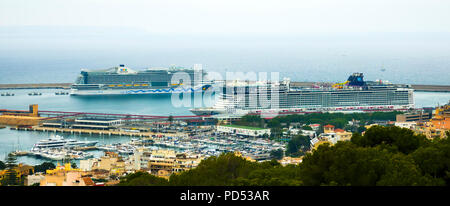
(205, 144)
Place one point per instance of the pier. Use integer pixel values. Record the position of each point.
(416, 87)
(94, 132)
(36, 86)
(431, 88)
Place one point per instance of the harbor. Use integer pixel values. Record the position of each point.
(206, 143)
(66, 86)
(125, 124)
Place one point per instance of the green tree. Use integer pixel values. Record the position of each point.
(347, 164)
(393, 138)
(44, 167)
(434, 159)
(215, 171)
(2, 165)
(298, 145)
(274, 123)
(277, 154)
(306, 127)
(170, 119)
(142, 179)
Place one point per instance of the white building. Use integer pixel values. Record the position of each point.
(140, 158)
(35, 178)
(407, 125)
(86, 165)
(243, 130)
(309, 133)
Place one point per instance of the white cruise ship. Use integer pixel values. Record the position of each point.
(122, 80)
(354, 95)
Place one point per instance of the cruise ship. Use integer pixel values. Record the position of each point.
(353, 95)
(123, 80)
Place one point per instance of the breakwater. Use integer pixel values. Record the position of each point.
(416, 87)
(37, 86)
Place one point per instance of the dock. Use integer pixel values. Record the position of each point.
(93, 132)
(20, 153)
(416, 87)
(431, 88)
(85, 148)
(36, 86)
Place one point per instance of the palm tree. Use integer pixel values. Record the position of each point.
(170, 119)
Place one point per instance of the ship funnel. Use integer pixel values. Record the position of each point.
(356, 79)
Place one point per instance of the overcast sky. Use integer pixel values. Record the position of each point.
(234, 16)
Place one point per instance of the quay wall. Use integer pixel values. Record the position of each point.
(36, 86)
(417, 87)
(19, 120)
(96, 132)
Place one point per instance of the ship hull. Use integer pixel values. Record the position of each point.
(78, 92)
(288, 111)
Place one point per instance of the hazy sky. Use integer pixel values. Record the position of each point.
(234, 16)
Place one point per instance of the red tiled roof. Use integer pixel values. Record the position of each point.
(339, 130)
(329, 126)
(88, 181)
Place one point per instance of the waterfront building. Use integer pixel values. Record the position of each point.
(22, 171)
(408, 125)
(67, 167)
(184, 162)
(141, 158)
(162, 162)
(66, 178)
(438, 125)
(328, 128)
(65, 175)
(441, 119)
(34, 179)
(21, 118)
(332, 136)
(86, 165)
(343, 135)
(418, 116)
(243, 130)
(110, 162)
(97, 123)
